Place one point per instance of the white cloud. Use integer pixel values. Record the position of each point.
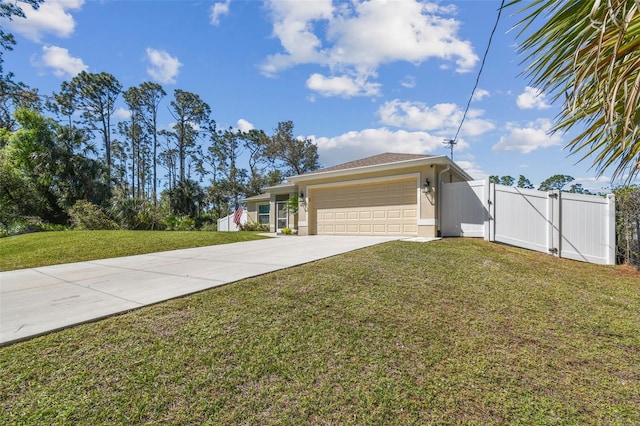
(122, 113)
(61, 62)
(342, 86)
(244, 125)
(442, 118)
(532, 98)
(471, 167)
(219, 10)
(409, 82)
(163, 67)
(358, 144)
(355, 38)
(479, 95)
(526, 139)
(52, 17)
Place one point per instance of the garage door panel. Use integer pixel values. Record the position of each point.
(394, 214)
(364, 228)
(410, 214)
(379, 214)
(380, 208)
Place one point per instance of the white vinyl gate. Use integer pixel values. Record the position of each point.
(574, 226)
(465, 209)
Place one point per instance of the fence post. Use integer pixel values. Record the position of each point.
(611, 237)
(491, 195)
(554, 220)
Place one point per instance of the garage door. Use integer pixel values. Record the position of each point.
(380, 208)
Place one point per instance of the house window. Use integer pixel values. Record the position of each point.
(263, 214)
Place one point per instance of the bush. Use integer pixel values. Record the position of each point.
(87, 216)
(180, 223)
(28, 225)
(209, 227)
(286, 231)
(136, 213)
(254, 226)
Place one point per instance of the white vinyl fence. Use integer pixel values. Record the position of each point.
(574, 226)
(227, 224)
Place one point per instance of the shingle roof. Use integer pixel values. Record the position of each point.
(386, 158)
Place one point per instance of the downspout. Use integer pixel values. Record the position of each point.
(443, 171)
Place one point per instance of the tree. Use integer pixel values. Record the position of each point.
(523, 182)
(150, 96)
(9, 10)
(186, 198)
(168, 157)
(228, 185)
(577, 188)
(13, 95)
(53, 172)
(585, 54)
(628, 223)
(190, 113)
(256, 142)
(504, 180)
(555, 182)
(95, 96)
(137, 131)
(296, 156)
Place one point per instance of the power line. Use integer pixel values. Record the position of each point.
(475, 86)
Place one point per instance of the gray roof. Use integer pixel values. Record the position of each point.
(386, 158)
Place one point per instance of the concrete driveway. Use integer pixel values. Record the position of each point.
(39, 300)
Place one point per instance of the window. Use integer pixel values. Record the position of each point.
(263, 214)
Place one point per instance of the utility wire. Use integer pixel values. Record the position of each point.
(484, 58)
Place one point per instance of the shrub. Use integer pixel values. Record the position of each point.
(209, 227)
(28, 225)
(87, 216)
(254, 226)
(136, 213)
(180, 223)
(286, 231)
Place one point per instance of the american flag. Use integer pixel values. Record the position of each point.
(237, 215)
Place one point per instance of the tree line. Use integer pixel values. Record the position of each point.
(58, 150)
(554, 183)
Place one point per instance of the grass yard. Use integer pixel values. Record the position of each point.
(454, 331)
(53, 248)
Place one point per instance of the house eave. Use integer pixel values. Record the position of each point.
(439, 160)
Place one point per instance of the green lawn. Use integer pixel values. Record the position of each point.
(52, 248)
(454, 331)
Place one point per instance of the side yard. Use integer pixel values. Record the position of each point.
(454, 331)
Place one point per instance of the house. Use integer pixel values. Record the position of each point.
(386, 194)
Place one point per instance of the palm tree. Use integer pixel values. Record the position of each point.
(587, 55)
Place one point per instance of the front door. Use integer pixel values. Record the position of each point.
(282, 215)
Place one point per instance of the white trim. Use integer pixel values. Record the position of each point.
(440, 159)
(427, 222)
(305, 223)
(364, 181)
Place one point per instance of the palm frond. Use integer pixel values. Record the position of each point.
(587, 56)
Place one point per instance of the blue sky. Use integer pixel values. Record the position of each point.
(358, 78)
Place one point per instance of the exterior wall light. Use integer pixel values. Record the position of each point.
(427, 185)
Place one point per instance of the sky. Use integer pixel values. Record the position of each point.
(358, 78)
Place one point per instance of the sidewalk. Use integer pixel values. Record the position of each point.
(40, 300)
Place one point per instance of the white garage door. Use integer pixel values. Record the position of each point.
(379, 208)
